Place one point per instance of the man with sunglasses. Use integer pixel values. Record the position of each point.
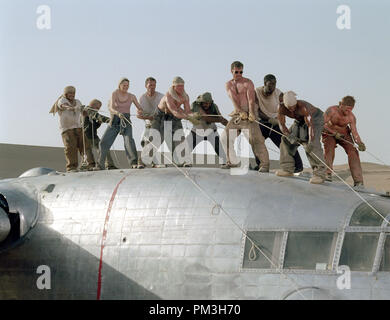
(242, 93)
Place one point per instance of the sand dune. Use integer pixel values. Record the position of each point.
(16, 159)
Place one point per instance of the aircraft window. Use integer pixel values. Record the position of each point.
(309, 250)
(385, 265)
(359, 249)
(269, 242)
(366, 216)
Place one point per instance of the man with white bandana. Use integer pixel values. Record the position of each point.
(149, 102)
(170, 113)
(306, 129)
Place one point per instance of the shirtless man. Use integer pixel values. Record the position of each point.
(340, 123)
(242, 93)
(306, 130)
(169, 110)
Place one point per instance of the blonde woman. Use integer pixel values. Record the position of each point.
(119, 106)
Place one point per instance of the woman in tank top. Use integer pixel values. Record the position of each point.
(120, 123)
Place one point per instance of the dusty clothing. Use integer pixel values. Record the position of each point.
(276, 139)
(110, 135)
(69, 119)
(268, 105)
(300, 131)
(149, 106)
(212, 110)
(73, 142)
(213, 137)
(94, 143)
(159, 123)
(91, 122)
(256, 140)
(330, 144)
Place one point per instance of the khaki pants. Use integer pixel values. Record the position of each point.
(256, 140)
(73, 142)
(315, 157)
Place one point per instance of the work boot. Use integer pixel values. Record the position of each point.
(111, 167)
(228, 165)
(187, 165)
(263, 170)
(283, 173)
(358, 186)
(140, 166)
(97, 168)
(316, 180)
(328, 177)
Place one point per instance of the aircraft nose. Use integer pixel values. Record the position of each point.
(5, 225)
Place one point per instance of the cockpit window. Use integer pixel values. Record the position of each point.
(385, 265)
(364, 215)
(359, 249)
(309, 250)
(269, 243)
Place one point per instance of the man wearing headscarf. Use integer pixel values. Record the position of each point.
(69, 110)
(306, 129)
(267, 98)
(168, 118)
(206, 129)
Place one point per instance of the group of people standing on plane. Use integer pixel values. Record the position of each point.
(259, 113)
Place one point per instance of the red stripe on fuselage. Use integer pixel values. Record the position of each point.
(99, 284)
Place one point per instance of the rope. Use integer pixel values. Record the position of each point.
(365, 201)
(186, 175)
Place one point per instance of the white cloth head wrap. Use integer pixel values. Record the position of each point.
(289, 98)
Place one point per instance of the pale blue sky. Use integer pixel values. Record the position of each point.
(94, 43)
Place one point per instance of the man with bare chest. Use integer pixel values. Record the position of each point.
(306, 129)
(242, 93)
(167, 121)
(339, 128)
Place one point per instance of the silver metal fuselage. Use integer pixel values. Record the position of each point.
(151, 234)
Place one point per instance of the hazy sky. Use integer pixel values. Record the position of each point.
(91, 44)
